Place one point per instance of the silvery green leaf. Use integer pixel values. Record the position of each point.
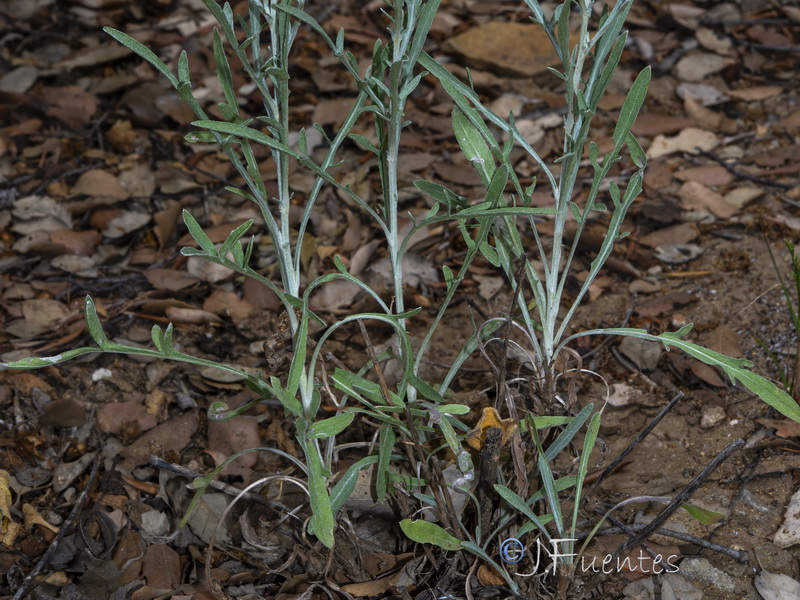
(234, 237)
(442, 194)
(490, 254)
(205, 137)
(474, 146)
(609, 69)
(421, 30)
(157, 336)
(299, 358)
(448, 275)
(229, 112)
(224, 17)
(425, 532)
(638, 155)
(143, 52)
(631, 107)
(520, 506)
(330, 427)
(183, 68)
(345, 486)
(198, 234)
(93, 324)
(454, 409)
(322, 521)
(304, 17)
(248, 134)
(387, 439)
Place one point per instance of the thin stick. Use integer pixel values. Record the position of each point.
(742, 174)
(645, 432)
(740, 555)
(27, 583)
(681, 498)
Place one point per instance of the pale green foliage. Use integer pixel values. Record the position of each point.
(414, 409)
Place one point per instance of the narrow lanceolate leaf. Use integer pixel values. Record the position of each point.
(234, 238)
(521, 506)
(738, 369)
(474, 146)
(94, 325)
(631, 107)
(425, 532)
(224, 72)
(322, 519)
(198, 234)
(144, 52)
(345, 486)
(330, 427)
(248, 134)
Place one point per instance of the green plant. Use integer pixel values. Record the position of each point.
(788, 377)
(418, 411)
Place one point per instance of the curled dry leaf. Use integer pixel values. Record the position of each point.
(515, 49)
(696, 196)
(98, 182)
(783, 427)
(776, 586)
(194, 316)
(113, 415)
(696, 66)
(125, 223)
(789, 532)
(689, 140)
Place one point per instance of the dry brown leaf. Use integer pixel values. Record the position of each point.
(31, 517)
(776, 586)
(488, 575)
(168, 279)
(98, 182)
(138, 180)
(112, 416)
(724, 340)
(709, 40)
(121, 135)
(82, 243)
(705, 373)
(688, 140)
(708, 175)
(675, 234)
(72, 105)
(93, 55)
(701, 114)
(161, 567)
(19, 80)
(757, 93)
(171, 436)
(194, 316)
(789, 532)
(783, 427)
(696, 66)
(650, 124)
(235, 435)
(666, 303)
(687, 15)
(125, 223)
(166, 220)
(515, 49)
(228, 304)
(696, 196)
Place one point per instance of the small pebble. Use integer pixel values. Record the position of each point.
(712, 416)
